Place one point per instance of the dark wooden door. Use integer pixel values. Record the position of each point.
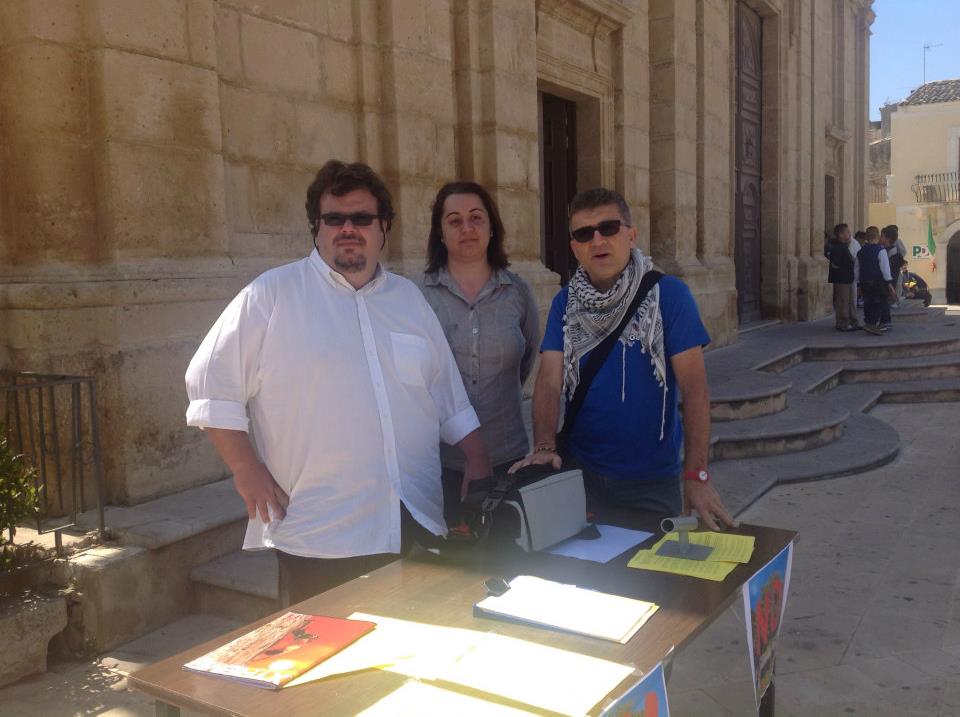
(558, 136)
(749, 74)
(953, 270)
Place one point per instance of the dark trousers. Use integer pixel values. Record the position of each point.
(663, 497)
(301, 577)
(876, 310)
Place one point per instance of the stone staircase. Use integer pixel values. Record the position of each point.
(790, 403)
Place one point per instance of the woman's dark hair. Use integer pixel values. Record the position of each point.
(838, 229)
(339, 178)
(437, 252)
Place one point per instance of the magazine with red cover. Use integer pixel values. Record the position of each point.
(281, 650)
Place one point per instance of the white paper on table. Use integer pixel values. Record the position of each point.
(416, 698)
(536, 675)
(612, 542)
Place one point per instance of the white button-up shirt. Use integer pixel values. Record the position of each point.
(347, 393)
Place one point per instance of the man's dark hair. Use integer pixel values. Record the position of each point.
(891, 232)
(837, 230)
(339, 178)
(859, 235)
(599, 197)
(437, 252)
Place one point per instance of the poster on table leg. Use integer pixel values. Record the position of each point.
(647, 698)
(764, 603)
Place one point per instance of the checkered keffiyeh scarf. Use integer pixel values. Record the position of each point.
(592, 315)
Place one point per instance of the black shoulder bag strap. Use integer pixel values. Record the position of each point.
(600, 353)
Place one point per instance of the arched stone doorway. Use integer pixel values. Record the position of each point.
(953, 269)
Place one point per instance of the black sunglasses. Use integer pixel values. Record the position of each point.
(607, 228)
(358, 219)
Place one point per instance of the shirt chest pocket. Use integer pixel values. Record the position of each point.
(411, 356)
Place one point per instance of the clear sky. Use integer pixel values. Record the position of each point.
(900, 31)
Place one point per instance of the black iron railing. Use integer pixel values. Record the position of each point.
(937, 188)
(52, 422)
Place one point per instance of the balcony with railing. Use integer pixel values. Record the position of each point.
(877, 190)
(937, 188)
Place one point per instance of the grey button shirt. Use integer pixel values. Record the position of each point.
(494, 342)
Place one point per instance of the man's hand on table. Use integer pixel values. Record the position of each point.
(703, 498)
(260, 492)
(538, 458)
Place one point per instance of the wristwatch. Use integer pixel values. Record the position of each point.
(700, 475)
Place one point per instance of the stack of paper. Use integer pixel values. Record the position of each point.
(567, 607)
(728, 551)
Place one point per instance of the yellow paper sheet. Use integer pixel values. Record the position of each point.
(707, 569)
(728, 551)
(726, 547)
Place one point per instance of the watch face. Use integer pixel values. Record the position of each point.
(703, 476)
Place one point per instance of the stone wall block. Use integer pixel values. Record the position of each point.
(201, 32)
(280, 57)
(241, 195)
(514, 98)
(281, 193)
(339, 17)
(257, 125)
(156, 27)
(229, 54)
(324, 132)
(43, 89)
(308, 14)
(424, 86)
(417, 141)
(51, 202)
(162, 201)
(53, 20)
(339, 62)
(147, 99)
(371, 69)
(422, 26)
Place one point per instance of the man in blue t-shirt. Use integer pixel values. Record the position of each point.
(628, 435)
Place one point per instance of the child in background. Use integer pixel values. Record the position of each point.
(875, 282)
(841, 275)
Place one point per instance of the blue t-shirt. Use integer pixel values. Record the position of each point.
(617, 432)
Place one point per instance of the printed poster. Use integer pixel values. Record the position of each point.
(764, 604)
(647, 698)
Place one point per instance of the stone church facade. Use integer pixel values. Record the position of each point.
(155, 156)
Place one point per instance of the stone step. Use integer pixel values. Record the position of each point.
(900, 343)
(894, 370)
(866, 443)
(155, 547)
(238, 586)
(814, 376)
(864, 396)
(808, 421)
(747, 395)
(916, 312)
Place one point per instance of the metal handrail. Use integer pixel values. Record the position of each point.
(52, 421)
(937, 188)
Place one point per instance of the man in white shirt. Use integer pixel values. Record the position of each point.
(341, 373)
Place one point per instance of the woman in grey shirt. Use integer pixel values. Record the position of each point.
(490, 320)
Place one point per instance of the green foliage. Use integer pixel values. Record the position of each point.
(19, 498)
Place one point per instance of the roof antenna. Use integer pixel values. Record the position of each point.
(926, 48)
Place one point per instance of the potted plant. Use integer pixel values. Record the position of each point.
(19, 498)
